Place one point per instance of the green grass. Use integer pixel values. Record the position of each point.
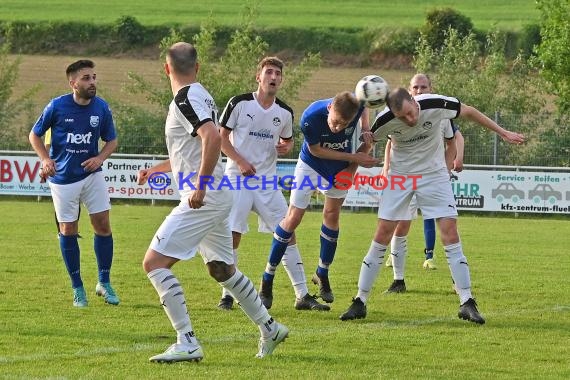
(510, 15)
(519, 266)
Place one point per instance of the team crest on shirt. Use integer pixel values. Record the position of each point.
(94, 121)
(276, 121)
(427, 125)
(348, 131)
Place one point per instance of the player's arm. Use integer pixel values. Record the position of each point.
(47, 164)
(211, 147)
(284, 146)
(161, 167)
(244, 165)
(450, 152)
(473, 114)
(359, 158)
(96, 162)
(387, 152)
(460, 144)
(367, 136)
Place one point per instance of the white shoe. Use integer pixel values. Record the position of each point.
(267, 345)
(179, 353)
(389, 261)
(430, 264)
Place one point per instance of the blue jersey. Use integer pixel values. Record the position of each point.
(316, 130)
(75, 134)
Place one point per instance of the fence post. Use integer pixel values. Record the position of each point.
(496, 140)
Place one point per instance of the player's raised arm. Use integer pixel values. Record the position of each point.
(473, 114)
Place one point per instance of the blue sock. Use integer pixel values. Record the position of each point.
(429, 236)
(70, 253)
(329, 240)
(103, 246)
(281, 239)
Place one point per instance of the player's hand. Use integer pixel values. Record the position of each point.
(283, 148)
(197, 199)
(367, 137)
(47, 168)
(457, 165)
(92, 164)
(43, 176)
(142, 176)
(365, 160)
(247, 169)
(513, 137)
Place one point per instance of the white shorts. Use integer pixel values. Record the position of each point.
(186, 231)
(91, 191)
(301, 198)
(269, 204)
(434, 197)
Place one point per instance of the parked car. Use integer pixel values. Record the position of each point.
(507, 190)
(544, 192)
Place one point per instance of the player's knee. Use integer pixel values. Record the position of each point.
(220, 271)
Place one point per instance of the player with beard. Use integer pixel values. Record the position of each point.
(73, 168)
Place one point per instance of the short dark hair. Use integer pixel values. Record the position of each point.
(274, 61)
(182, 58)
(78, 65)
(395, 98)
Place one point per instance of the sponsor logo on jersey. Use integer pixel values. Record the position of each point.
(262, 134)
(94, 121)
(414, 139)
(336, 145)
(69, 120)
(78, 138)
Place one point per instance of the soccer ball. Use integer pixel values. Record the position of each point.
(372, 90)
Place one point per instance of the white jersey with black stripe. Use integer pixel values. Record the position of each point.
(256, 131)
(418, 149)
(191, 108)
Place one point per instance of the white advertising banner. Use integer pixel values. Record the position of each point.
(481, 190)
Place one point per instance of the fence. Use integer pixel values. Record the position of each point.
(548, 141)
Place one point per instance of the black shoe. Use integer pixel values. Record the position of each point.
(226, 303)
(324, 288)
(266, 293)
(398, 286)
(356, 311)
(469, 312)
(309, 302)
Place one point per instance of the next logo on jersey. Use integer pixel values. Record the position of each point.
(336, 146)
(78, 138)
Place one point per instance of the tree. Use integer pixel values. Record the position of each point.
(510, 91)
(225, 76)
(12, 111)
(554, 50)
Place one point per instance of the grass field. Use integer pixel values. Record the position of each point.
(519, 266)
(485, 14)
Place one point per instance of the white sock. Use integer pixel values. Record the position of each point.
(459, 270)
(172, 299)
(371, 265)
(294, 267)
(399, 252)
(242, 289)
(225, 292)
